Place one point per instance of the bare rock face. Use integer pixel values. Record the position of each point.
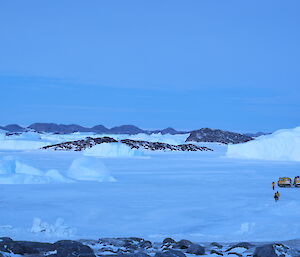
(217, 136)
(156, 146)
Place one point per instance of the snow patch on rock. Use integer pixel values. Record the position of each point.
(112, 150)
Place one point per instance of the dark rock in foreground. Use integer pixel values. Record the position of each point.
(196, 249)
(80, 145)
(65, 248)
(265, 251)
(170, 253)
(218, 136)
(139, 247)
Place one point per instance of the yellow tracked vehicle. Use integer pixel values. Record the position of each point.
(297, 181)
(285, 182)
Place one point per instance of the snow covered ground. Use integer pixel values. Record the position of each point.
(201, 196)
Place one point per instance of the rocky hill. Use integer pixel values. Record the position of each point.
(80, 145)
(218, 136)
(14, 128)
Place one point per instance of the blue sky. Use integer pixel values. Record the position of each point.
(187, 64)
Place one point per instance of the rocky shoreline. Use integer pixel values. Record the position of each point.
(138, 247)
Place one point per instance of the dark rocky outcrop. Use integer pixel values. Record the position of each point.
(65, 248)
(183, 244)
(196, 249)
(7, 245)
(80, 145)
(265, 251)
(169, 241)
(155, 146)
(218, 136)
(68, 248)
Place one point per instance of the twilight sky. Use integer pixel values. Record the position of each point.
(187, 64)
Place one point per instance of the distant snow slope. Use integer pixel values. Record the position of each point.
(283, 145)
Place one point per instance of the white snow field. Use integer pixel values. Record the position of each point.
(201, 196)
(283, 145)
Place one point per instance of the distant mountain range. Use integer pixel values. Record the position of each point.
(201, 135)
(99, 129)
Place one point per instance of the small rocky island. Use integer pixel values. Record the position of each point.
(80, 145)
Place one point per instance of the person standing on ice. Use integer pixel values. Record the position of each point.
(273, 185)
(276, 196)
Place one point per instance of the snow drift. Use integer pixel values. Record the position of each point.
(283, 145)
(13, 171)
(112, 150)
(89, 168)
